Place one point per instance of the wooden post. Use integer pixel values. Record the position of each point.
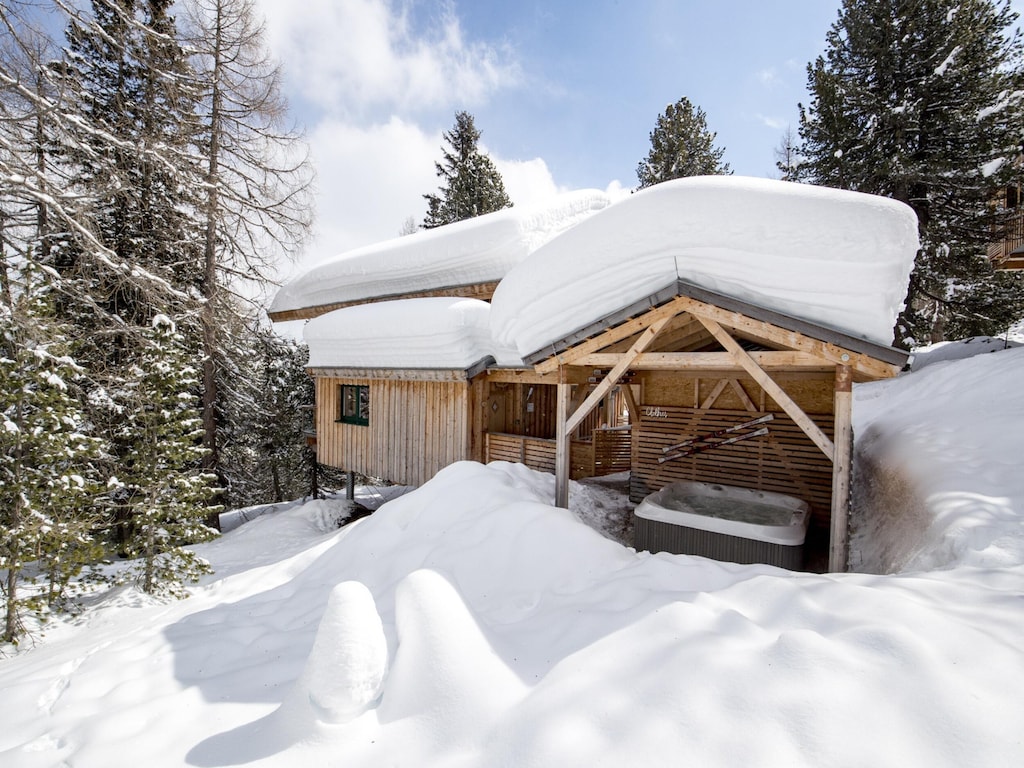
(842, 465)
(563, 464)
(350, 486)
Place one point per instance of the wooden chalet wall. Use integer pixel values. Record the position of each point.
(677, 407)
(416, 428)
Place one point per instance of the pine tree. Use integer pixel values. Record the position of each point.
(922, 102)
(48, 486)
(681, 146)
(163, 483)
(472, 183)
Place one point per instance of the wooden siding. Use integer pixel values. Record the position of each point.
(784, 461)
(416, 429)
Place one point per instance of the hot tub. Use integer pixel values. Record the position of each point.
(723, 522)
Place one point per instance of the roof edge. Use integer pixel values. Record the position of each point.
(679, 287)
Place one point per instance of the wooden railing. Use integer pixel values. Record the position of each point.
(608, 451)
(1001, 253)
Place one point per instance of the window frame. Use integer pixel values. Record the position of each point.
(359, 415)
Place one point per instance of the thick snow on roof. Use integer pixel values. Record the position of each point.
(835, 258)
(477, 250)
(437, 333)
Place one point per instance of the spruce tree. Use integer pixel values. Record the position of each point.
(472, 184)
(681, 146)
(163, 483)
(922, 102)
(48, 487)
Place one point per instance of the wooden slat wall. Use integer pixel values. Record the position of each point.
(538, 453)
(416, 429)
(784, 461)
(612, 451)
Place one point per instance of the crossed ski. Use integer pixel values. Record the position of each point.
(710, 441)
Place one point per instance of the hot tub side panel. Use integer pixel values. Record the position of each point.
(659, 536)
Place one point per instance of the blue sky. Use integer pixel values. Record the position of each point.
(565, 92)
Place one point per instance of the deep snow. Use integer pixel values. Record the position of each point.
(470, 623)
(476, 250)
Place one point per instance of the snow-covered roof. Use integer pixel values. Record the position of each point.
(834, 258)
(470, 252)
(429, 333)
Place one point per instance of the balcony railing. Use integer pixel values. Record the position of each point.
(1008, 253)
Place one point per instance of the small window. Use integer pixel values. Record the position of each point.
(355, 404)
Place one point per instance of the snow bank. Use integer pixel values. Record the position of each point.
(477, 250)
(440, 333)
(839, 259)
(471, 624)
(941, 486)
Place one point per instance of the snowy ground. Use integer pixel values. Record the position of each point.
(469, 623)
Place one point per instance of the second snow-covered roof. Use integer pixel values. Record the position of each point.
(438, 333)
(470, 252)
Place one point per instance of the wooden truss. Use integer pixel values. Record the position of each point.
(672, 335)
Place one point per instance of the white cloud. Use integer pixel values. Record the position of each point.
(351, 56)
(370, 179)
(527, 181)
(774, 123)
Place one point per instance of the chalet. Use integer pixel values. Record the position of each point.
(645, 327)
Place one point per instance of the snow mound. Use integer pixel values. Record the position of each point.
(836, 258)
(941, 487)
(958, 350)
(434, 332)
(477, 250)
(345, 670)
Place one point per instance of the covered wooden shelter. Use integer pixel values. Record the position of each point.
(727, 391)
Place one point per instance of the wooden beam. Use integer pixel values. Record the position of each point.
(868, 366)
(612, 335)
(709, 361)
(483, 291)
(616, 372)
(841, 467)
(719, 389)
(742, 395)
(530, 376)
(743, 358)
(563, 464)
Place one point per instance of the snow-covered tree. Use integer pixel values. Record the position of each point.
(266, 454)
(48, 485)
(681, 145)
(923, 102)
(163, 485)
(472, 183)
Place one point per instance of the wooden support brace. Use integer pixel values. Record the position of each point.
(616, 373)
(841, 468)
(563, 464)
(768, 384)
